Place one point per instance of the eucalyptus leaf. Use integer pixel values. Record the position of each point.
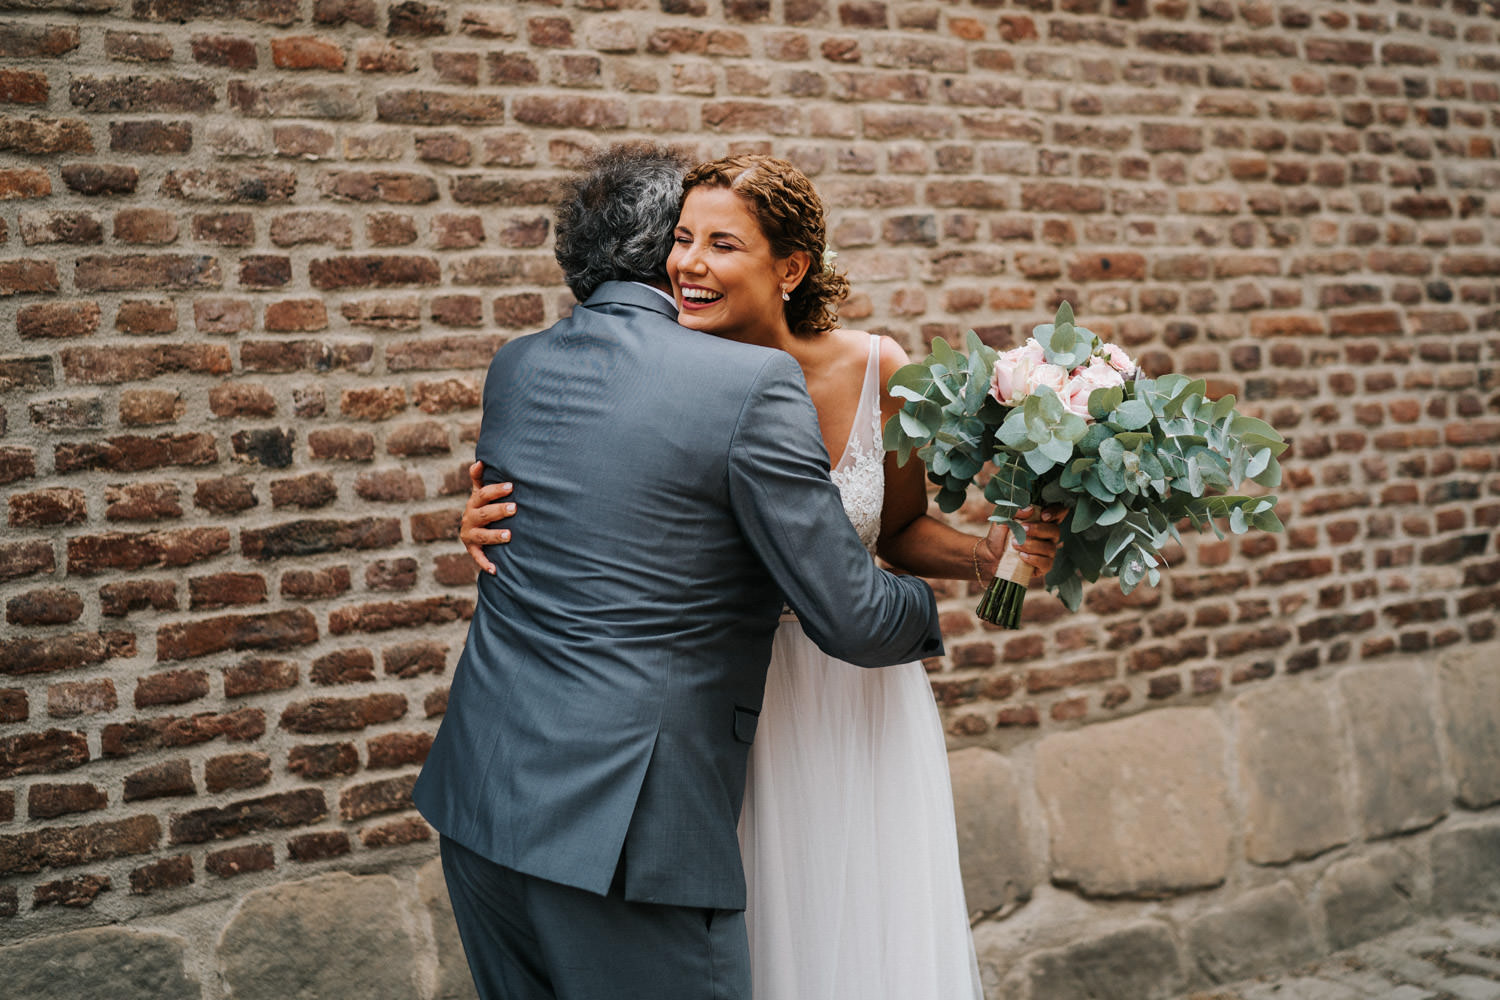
(1104, 401)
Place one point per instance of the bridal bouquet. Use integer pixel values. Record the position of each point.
(1066, 419)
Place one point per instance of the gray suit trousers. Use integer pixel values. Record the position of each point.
(511, 925)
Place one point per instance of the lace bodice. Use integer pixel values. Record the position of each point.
(860, 472)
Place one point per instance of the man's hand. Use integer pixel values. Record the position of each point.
(482, 511)
(1043, 530)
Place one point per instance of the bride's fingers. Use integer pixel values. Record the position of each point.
(490, 513)
(489, 494)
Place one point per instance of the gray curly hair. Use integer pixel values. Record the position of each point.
(617, 215)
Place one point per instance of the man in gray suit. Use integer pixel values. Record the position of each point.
(587, 777)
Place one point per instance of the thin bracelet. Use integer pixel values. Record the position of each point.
(974, 553)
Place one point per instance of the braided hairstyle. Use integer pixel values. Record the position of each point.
(790, 215)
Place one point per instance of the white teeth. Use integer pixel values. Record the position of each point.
(700, 295)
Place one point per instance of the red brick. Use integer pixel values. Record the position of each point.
(418, 439)
(315, 584)
(131, 453)
(254, 185)
(129, 738)
(143, 407)
(390, 486)
(222, 50)
(155, 138)
(135, 46)
(76, 845)
(384, 312)
(170, 778)
(318, 846)
(447, 396)
(382, 616)
(144, 317)
(328, 715)
(226, 495)
(448, 147)
(344, 666)
(60, 226)
(69, 699)
(220, 315)
(258, 676)
(145, 225)
(233, 771)
(58, 505)
(429, 107)
(57, 319)
(49, 801)
(312, 226)
(316, 489)
(47, 654)
(273, 630)
(454, 570)
(387, 795)
(303, 141)
(372, 402)
(410, 830)
(391, 574)
(108, 366)
(335, 273)
(21, 40)
(47, 606)
(379, 186)
(241, 399)
(19, 559)
(77, 892)
(309, 537)
(20, 277)
(287, 809)
(299, 355)
(328, 760)
(398, 749)
(307, 52)
(341, 444)
(241, 860)
(458, 311)
(168, 873)
(171, 687)
(42, 753)
(413, 659)
(229, 229)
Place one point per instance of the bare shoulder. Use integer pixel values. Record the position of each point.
(892, 356)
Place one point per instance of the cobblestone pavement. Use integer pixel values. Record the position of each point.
(1454, 959)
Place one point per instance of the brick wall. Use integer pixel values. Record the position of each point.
(254, 255)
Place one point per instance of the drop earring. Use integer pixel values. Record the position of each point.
(785, 295)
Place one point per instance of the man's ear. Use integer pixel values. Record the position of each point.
(793, 268)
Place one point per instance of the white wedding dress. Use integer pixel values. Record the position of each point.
(851, 855)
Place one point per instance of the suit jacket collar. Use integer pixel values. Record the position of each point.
(634, 294)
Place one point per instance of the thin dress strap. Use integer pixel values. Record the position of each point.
(864, 434)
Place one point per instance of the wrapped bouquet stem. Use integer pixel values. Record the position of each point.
(1065, 419)
(1001, 604)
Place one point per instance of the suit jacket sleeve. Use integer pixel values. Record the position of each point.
(792, 515)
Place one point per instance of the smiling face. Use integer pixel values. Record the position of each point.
(724, 276)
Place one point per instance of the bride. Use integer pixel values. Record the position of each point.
(847, 830)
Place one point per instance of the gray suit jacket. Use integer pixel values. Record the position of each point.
(672, 489)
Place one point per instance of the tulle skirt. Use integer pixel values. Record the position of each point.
(851, 856)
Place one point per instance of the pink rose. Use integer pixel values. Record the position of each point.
(1118, 359)
(1098, 374)
(1010, 382)
(1054, 377)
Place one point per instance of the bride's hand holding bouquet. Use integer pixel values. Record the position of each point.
(1066, 420)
